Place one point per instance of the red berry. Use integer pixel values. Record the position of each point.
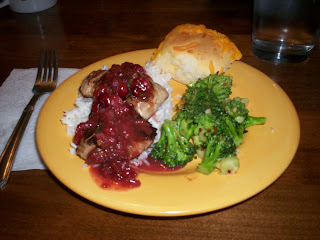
(104, 100)
(140, 87)
(123, 91)
(99, 91)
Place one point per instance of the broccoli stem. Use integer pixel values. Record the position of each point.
(237, 135)
(227, 165)
(162, 138)
(254, 121)
(170, 134)
(210, 157)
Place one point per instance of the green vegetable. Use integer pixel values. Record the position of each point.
(214, 122)
(218, 86)
(250, 121)
(172, 148)
(204, 126)
(206, 95)
(228, 165)
(186, 127)
(236, 108)
(230, 127)
(218, 147)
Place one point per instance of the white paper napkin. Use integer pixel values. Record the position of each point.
(15, 93)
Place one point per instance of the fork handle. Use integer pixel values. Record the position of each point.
(10, 150)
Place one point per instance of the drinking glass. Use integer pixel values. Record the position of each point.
(285, 31)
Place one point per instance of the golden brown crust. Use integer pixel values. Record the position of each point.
(190, 52)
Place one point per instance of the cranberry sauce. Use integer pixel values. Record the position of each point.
(115, 128)
(128, 81)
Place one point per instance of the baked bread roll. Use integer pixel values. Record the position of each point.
(190, 52)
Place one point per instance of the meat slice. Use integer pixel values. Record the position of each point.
(114, 132)
(146, 108)
(90, 83)
(138, 147)
(84, 149)
(134, 150)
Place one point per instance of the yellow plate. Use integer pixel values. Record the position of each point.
(265, 154)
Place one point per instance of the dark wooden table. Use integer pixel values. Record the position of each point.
(37, 206)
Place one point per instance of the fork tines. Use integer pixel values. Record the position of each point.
(48, 66)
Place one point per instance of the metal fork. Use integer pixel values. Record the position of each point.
(46, 81)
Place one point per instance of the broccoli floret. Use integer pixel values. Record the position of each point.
(204, 95)
(236, 108)
(202, 102)
(172, 148)
(254, 121)
(218, 147)
(219, 85)
(205, 123)
(186, 127)
(204, 126)
(229, 127)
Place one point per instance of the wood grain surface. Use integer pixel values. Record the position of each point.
(35, 205)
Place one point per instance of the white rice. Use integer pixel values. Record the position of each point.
(78, 114)
(165, 110)
(82, 108)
